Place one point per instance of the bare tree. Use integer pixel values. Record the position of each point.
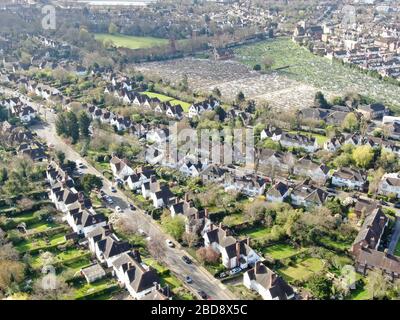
(156, 247)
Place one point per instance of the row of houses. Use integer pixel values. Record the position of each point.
(19, 109)
(141, 281)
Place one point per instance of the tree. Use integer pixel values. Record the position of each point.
(90, 181)
(60, 156)
(59, 290)
(257, 67)
(156, 247)
(320, 101)
(207, 255)
(375, 181)
(73, 126)
(240, 97)
(84, 123)
(320, 286)
(112, 28)
(377, 285)
(255, 210)
(363, 155)
(190, 238)
(174, 226)
(350, 122)
(61, 125)
(216, 92)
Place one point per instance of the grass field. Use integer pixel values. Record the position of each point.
(256, 233)
(280, 251)
(303, 269)
(163, 98)
(299, 64)
(131, 42)
(319, 137)
(397, 250)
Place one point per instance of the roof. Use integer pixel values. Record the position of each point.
(111, 247)
(278, 189)
(372, 229)
(350, 174)
(94, 270)
(269, 280)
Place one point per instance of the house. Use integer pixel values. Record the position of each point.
(138, 278)
(305, 167)
(333, 144)
(93, 273)
(271, 133)
(365, 247)
(390, 185)
(234, 253)
(278, 192)
(161, 195)
(267, 283)
(119, 168)
(194, 218)
(192, 169)
(250, 185)
(213, 173)
(364, 206)
(308, 195)
(373, 111)
(108, 249)
(141, 175)
(371, 231)
(197, 109)
(349, 178)
(96, 235)
(275, 161)
(158, 136)
(84, 221)
(289, 140)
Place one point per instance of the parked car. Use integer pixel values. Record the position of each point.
(142, 232)
(169, 243)
(188, 279)
(132, 207)
(235, 271)
(118, 209)
(223, 275)
(187, 260)
(203, 295)
(79, 164)
(112, 189)
(397, 205)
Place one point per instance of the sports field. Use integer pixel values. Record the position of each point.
(131, 42)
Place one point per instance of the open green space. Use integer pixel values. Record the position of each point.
(61, 257)
(255, 232)
(299, 64)
(91, 288)
(302, 269)
(321, 139)
(131, 42)
(281, 251)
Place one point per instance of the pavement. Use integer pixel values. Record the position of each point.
(202, 279)
(395, 237)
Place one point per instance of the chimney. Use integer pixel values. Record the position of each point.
(238, 252)
(220, 225)
(211, 227)
(206, 212)
(248, 241)
(386, 251)
(186, 197)
(373, 242)
(257, 267)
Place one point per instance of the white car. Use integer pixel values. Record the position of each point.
(169, 243)
(118, 209)
(79, 164)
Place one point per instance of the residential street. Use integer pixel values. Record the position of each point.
(202, 279)
(395, 237)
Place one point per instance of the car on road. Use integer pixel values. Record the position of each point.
(188, 279)
(223, 275)
(234, 271)
(203, 295)
(169, 243)
(142, 232)
(187, 260)
(397, 205)
(112, 189)
(132, 207)
(118, 209)
(79, 164)
(108, 199)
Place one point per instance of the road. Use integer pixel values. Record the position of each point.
(202, 279)
(395, 237)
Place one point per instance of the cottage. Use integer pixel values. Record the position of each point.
(267, 283)
(278, 192)
(93, 273)
(234, 253)
(390, 185)
(308, 195)
(349, 178)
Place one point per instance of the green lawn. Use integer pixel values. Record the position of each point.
(299, 64)
(41, 226)
(131, 42)
(163, 98)
(61, 257)
(280, 251)
(257, 232)
(319, 137)
(28, 245)
(185, 105)
(302, 270)
(90, 288)
(336, 244)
